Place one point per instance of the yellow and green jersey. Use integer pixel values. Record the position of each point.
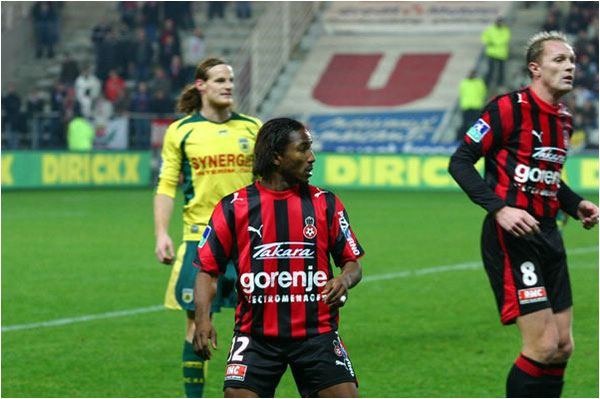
(215, 159)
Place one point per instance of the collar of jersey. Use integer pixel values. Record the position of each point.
(278, 194)
(552, 109)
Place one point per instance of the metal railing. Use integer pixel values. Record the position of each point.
(267, 50)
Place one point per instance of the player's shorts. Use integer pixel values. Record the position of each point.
(527, 274)
(180, 290)
(257, 363)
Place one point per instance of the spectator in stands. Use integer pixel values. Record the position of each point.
(142, 56)
(243, 9)
(69, 70)
(87, 90)
(160, 81)
(140, 121)
(106, 56)
(124, 47)
(45, 21)
(80, 133)
(169, 30)
(168, 50)
(496, 39)
(99, 33)
(114, 86)
(11, 117)
(194, 51)
(216, 9)
(161, 104)
(575, 20)
(551, 23)
(103, 112)
(472, 92)
(151, 14)
(128, 10)
(181, 12)
(61, 103)
(177, 75)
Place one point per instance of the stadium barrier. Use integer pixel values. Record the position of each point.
(58, 169)
(37, 169)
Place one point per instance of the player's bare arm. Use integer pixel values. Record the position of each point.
(587, 212)
(163, 208)
(517, 222)
(336, 289)
(205, 334)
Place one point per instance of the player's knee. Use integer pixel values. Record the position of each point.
(546, 349)
(565, 350)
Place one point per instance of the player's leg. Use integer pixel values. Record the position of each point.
(180, 295)
(240, 393)
(194, 365)
(322, 368)
(343, 390)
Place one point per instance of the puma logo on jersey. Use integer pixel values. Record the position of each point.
(318, 194)
(538, 135)
(236, 197)
(257, 231)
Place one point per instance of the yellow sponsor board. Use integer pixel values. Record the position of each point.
(423, 172)
(36, 169)
(388, 171)
(99, 169)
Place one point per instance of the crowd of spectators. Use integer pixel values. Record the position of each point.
(142, 60)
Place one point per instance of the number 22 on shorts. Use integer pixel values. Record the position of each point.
(235, 355)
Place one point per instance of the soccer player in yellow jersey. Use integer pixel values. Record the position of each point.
(212, 147)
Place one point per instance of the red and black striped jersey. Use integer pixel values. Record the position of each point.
(524, 141)
(280, 243)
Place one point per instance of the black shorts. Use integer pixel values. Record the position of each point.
(257, 363)
(527, 274)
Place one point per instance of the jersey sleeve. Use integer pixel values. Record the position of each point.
(343, 244)
(170, 164)
(487, 134)
(214, 249)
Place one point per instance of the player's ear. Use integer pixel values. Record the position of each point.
(200, 85)
(276, 159)
(534, 68)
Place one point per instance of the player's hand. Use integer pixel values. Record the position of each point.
(517, 222)
(335, 292)
(164, 249)
(588, 214)
(205, 336)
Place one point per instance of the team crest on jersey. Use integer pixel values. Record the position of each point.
(244, 144)
(187, 295)
(310, 230)
(478, 130)
(205, 235)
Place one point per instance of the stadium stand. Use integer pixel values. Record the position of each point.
(303, 73)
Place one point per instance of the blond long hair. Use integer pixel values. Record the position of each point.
(190, 99)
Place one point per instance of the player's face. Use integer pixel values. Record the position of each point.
(217, 90)
(556, 68)
(296, 163)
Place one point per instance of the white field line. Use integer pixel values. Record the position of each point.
(376, 277)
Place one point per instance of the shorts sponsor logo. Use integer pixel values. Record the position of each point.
(346, 358)
(532, 295)
(345, 226)
(478, 130)
(205, 235)
(187, 295)
(236, 372)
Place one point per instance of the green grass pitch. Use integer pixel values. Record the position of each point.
(69, 254)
